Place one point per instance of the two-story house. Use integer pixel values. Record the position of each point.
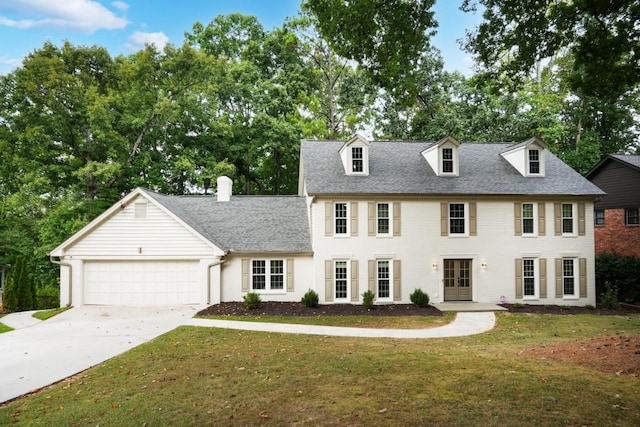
(461, 221)
(617, 215)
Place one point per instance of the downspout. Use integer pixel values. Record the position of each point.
(212, 264)
(65, 264)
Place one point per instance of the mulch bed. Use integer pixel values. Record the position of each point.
(297, 309)
(565, 310)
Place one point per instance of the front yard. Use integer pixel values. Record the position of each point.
(201, 376)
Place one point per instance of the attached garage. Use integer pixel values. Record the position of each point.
(139, 283)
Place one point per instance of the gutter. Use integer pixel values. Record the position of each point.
(212, 264)
(65, 264)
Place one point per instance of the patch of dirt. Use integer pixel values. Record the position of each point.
(566, 309)
(297, 309)
(619, 355)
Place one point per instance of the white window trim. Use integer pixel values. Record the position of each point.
(365, 160)
(347, 299)
(389, 219)
(138, 213)
(466, 220)
(528, 162)
(390, 279)
(574, 218)
(576, 278)
(454, 160)
(268, 289)
(535, 220)
(536, 279)
(347, 233)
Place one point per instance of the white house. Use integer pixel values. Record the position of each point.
(461, 221)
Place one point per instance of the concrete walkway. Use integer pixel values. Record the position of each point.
(20, 320)
(464, 324)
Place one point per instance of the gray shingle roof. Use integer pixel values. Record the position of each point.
(628, 158)
(245, 223)
(399, 168)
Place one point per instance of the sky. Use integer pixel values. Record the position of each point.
(124, 26)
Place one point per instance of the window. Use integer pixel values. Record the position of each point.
(341, 278)
(140, 210)
(534, 161)
(631, 217)
(529, 277)
(456, 218)
(267, 275)
(383, 218)
(567, 218)
(341, 218)
(568, 277)
(447, 160)
(357, 164)
(384, 280)
(598, 217)
(527, 218)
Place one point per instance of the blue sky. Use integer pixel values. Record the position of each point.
(124, 26)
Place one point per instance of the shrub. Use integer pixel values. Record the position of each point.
(19, 288)
(48, 297)
(620, 271)
(419, 298)
(310, 299)
(609, 299)
(367, 300)
(252, 300)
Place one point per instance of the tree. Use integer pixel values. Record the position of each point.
(602, 37)
(386, 37)
(19, 293)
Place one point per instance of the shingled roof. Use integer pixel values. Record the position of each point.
(245, 224)
(397, 167)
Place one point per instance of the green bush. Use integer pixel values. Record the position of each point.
(310, 299)
(19, 292)
(623, 272)
(252, 300)
(48, 297)
(367, 300)
(609, 299)
(419, 298)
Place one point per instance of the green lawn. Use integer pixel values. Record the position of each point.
(5, 328)
(202, 376)
(47, 314)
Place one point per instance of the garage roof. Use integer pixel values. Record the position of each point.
(244, 224)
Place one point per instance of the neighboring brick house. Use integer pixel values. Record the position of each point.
(617, 215)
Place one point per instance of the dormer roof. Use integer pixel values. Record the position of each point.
(527, 157)
(355, 155)
(443, 157)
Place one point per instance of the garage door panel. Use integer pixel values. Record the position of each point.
(141, 283)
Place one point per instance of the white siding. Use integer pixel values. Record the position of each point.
(121, 235)
(421, 245)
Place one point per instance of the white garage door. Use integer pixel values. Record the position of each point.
(141, 283)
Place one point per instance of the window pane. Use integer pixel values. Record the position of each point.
(356, 158)
(447, 160)
(383, 218)
(529, 277)
(527, 218)
(384, 289)
(258, 272)
(567, 218)
(456, 218)
(568, 278)
(534, 161)
(599, 217)
(277, 274)
(632, 217)
(341, 279)
(341, 218)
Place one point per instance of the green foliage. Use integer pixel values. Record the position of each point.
(367, 300)
(48, 297)
(419, 298)
(252, 300)
(19, 292)
(620, 272)
(310, 299)
(609, 299)
(9, 295)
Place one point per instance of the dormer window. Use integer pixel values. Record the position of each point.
(356, 160)
(527, 157)
(534, 161)
(444, 157)
(447, 160)
(355, 156)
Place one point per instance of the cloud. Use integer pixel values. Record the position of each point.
(139, 39)
(120, 5)
(86, 16)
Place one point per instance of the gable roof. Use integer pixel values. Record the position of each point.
(399, 168)
(245, 223)
(632, 161)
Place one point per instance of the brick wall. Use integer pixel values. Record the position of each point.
(616, 237)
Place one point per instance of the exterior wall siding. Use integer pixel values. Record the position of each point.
(124, 236)
(615, 237)
(422, 250)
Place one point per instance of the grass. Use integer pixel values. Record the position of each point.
(5, 328)
(389, 322)
(202, 376)
(47, 314)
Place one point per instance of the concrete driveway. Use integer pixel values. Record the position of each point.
(46, 352)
